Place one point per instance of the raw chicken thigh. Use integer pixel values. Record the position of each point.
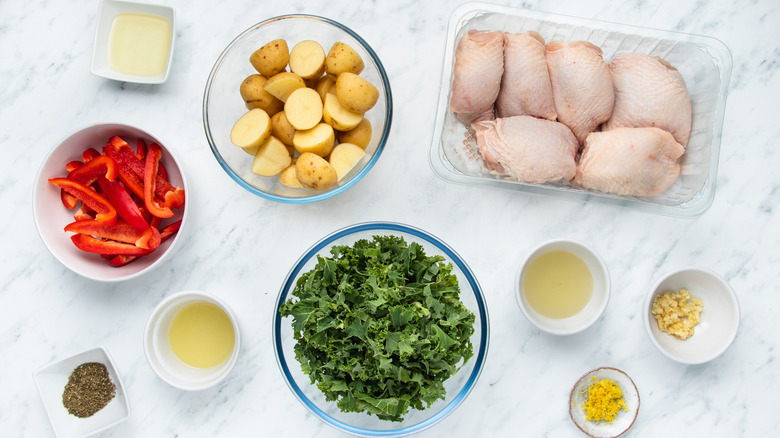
(527, 149)
(581, 85)
(649, 92)
(525, 86)
(479, 64)
(629, 161)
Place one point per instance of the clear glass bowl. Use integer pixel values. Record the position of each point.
(704, 62)
(222, 103)
(458, 386)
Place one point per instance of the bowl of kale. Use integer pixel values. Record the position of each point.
(380, 329)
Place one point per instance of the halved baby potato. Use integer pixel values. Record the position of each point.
(344, 157)
(270, 59)
(318, 140)
(307, 59)
(251, 130)
(334, 114)
(288, 177)
(303, 109)
(360, 135)
(314, 172)
(341, 57)
(281, 128)
(281, 85)
(356, 93)
(324, 86)
(271, 158)
(256, 97)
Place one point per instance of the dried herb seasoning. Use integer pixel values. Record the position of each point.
(89, 389)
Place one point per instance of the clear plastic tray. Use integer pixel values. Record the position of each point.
(704, 62)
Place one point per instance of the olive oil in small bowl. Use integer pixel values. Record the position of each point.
(563, 287)
(192, 340)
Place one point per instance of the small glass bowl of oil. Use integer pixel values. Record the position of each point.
(562, 287)
(192, 340)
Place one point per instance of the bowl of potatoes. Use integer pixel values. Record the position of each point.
(297, 108)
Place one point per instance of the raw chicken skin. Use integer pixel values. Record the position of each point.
(479, 64)
(525, 86)
(649, 92)
(581, 85)
(527, 149)
(629, 161)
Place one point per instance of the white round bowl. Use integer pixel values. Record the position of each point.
(163, 360)
(624, 419)
(719, 319)
(51, 216)
(590, 313)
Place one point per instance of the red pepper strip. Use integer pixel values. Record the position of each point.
(73, 165)
(83, 214)
(124, 204)
(130, 179)
(148, 238)
(123, 154)
(165, 234)
(140, 149)
(94, 169)
(154, 221)
(106, 212)
(89, 154)
(88, 243)
(150, 181)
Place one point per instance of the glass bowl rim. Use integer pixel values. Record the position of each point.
(453, 258)
(318, 196)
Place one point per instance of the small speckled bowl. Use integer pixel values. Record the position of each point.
(718, 322)
(592, 311)
(624, 419)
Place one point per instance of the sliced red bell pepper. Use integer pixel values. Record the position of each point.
(106, 212)
(94, 169)
(90, 244)
(165, 234)
(73, 165)
(153, 156)
(123, 202)
(68, 200)
(122, 153)
(83, 214)
(89, 154)
(140, 149)
(148, 238)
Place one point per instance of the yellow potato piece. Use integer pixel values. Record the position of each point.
(281, 85)
(344, 157)
(334, 114)
(288, 177)
(282, 129)
(360, 135)
(307, 59)
(251, 130)
(256, 97)
(341, 57)
(324, 86)
(314, 172)
(356, 93)
(318, 140)
(271, 158)
(270, 59)
(303, 109)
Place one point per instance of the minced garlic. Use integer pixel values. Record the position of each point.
(605, 400)
(677, 313)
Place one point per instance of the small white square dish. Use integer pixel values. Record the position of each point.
(133, 42)
(51, 381)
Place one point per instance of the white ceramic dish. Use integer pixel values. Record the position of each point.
(107, 10)
(719, 319)
(51, 381)
(704, 62)
(162, 359)
(51, 216)
(624, 419)
(592, 311)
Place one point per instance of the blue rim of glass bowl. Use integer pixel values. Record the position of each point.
(320, 196)
(453, 257)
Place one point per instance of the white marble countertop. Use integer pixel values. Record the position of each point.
(240, 246)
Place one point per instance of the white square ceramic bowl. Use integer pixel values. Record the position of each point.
(107, 11)
(719, 319)
(51, 381)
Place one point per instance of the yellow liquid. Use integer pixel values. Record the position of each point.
(201, 335)
(139, 44)
(558, 284)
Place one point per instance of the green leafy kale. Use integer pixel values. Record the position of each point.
(380, 326)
